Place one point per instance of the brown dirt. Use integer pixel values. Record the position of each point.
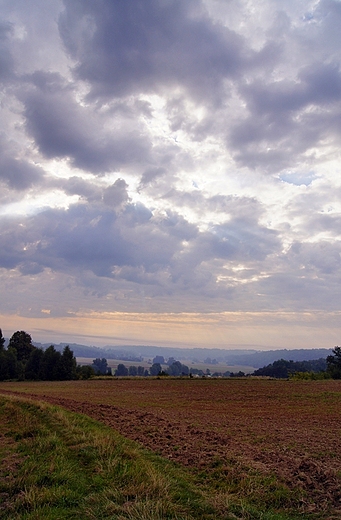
(287, 429)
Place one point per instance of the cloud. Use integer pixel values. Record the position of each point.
(147, 46)
(111, 243)
(116, 194)
(170, 156)
(19, 174)
(61, 128)
(6, 58)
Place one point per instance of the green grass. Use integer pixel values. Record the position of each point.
(58, 465)
(69, 466)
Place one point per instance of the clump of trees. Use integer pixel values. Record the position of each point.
(329, 368)
(334, 363)
(175, 368)
(22, 360)
(283, 368)
(100, 367)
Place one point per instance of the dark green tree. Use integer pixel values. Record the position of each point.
(284, 369)
(3, 365)
(67, 365)
(22, 343)
(33, 365)
(84, 372)
(50, 364)
(12, 363)
(334, 363)
(2, 341)
(8, 364)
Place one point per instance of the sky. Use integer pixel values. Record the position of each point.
(170, 172)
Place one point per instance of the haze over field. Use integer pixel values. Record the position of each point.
(169, 172)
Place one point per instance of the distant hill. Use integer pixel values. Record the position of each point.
(94, 352)
(248, 357)
(252, 358)
(78, 350)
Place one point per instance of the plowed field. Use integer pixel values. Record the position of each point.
(287, 429)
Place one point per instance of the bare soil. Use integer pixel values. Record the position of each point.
(288, 429)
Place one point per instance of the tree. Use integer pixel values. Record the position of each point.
(133, 370)
(140, 371)
(174, 369)
(33, 365)
(178, 369)
(2, 341)
(12, 363)
(22, 343)
(334, 363)
(237, 374)
(155, 369)
(85, 372)
(67, 365)
(284, 369)
(8, 364)
(159, 359)
(121, 370)
(184, 370)
(100, 366)
(50, 364)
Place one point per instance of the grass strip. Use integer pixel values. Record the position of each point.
(69, 466)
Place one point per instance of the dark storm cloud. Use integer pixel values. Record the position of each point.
(78, 186)
(116, 194)
(123, 48)
(151, 174)
(61, 127)
(90, 238)
(17, 172)
(317, 85)
(236, 240)
(286, 118)
(115, 244)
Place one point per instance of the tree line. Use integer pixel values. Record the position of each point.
(22, 360)
(322, 368)
(175, 368)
